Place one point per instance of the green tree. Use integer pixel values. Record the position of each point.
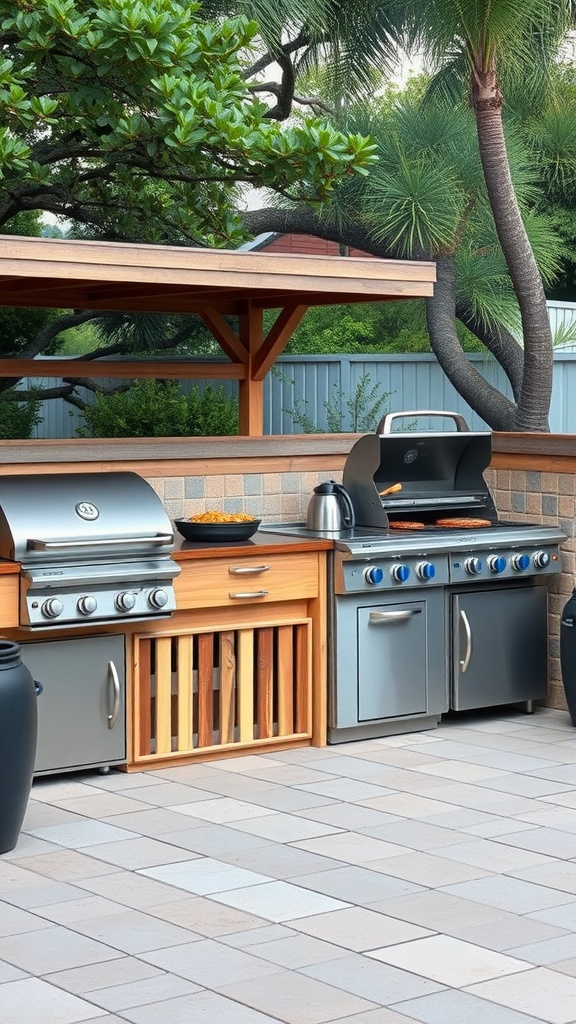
(478, 43)
(478, 48)
(361, 328)
(133, 121)
(102, 99)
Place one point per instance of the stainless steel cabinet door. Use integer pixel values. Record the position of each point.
(81, 713)
(392, 660)
(500, 646)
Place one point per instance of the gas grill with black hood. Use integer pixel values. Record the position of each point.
(426, 618)
(95, 551)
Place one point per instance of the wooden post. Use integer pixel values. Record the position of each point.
(250, 391)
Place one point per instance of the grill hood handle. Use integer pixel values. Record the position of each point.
(35, 544)
(385, 424)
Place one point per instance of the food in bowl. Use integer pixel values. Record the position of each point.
(221, 517)
(226, 527)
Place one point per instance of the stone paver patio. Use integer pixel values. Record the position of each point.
(427, 877)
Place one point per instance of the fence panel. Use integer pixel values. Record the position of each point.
(310, 384)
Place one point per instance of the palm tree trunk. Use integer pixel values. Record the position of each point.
(497, 410)
(499, 342)
(536, 391)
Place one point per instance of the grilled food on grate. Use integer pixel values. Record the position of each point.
(457, 523)
(406, 524)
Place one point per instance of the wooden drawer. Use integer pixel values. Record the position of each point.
(9, 601)
(251, 580)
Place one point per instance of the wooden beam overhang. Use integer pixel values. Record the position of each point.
(212, 283)
(165, 369)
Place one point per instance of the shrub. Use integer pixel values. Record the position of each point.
(18, 419)
(356, 413)
(160, 408)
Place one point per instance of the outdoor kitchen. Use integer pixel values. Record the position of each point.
(155, 650)
(203, 649)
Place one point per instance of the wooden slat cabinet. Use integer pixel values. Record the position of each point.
(239, 668)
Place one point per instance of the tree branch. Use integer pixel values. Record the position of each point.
(497, 410)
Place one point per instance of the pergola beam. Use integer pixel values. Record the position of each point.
(211, 283)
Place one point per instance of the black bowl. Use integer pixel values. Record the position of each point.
(217, 532)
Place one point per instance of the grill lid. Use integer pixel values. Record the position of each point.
(439, 473)
(81, 517)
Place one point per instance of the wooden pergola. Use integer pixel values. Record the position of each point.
(213, 283)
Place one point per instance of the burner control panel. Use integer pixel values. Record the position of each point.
(380, 572)
(468, 566)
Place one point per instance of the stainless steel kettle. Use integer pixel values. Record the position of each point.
(330, 509)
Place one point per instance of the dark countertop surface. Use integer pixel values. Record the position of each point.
(264, 543)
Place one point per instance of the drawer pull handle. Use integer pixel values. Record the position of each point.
(398, 616)
(246, 570)
(253, 593)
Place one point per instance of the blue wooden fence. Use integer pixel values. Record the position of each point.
(308, 383)
(313, 386)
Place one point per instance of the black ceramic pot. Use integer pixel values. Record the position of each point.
(568, 654)
(18, 737)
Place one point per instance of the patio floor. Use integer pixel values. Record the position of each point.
(426, 877)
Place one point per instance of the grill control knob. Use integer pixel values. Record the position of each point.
(373, 574)
(158, 597)
(496, 563)
(473, 566)
(425, 571)
(52, 608)
(520, 562)
(541, 559)
(400, 573)
(87, 604)
(125, 601)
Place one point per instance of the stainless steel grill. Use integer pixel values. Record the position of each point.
(431, 619)
(93, 547)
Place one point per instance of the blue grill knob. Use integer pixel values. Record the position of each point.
(496, 563)
(373, 574)
(520, 562)
(400, 573)
(425, 571)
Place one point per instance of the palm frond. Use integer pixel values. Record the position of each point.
(547, 247)
(414, 210)
(482, 280)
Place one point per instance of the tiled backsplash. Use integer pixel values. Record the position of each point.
(548, 498)
(274, 497)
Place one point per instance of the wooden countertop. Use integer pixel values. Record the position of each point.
(9, 568)
(263, 543)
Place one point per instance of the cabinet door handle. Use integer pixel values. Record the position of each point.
(253, 593)
(246, 570)
(113, 718)
(397, 616)
(466, 659)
